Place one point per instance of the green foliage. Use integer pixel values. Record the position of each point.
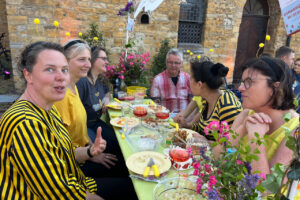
(159, 61)
(90, 35)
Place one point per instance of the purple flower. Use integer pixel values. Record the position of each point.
(248, 167)
(247, 186)
(128, 5)
(212, 195)
(202, 152)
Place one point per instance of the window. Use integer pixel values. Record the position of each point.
(191, 21)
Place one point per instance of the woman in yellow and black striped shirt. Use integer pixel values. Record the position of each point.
(217, 105)
(37, 157)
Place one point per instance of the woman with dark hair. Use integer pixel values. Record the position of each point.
(218, 105)
(38, 160)
(267, 94)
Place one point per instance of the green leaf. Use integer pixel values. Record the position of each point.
(254, 157)
(256, 151)
(291, 143)
(287, 116)
(256, 135)
(260, 188)
(222, 140)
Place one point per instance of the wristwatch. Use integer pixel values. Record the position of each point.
(89, 151)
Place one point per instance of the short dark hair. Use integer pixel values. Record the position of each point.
(209, 73)
(297, 59)
(283, 51)
(29, 55)
(278, 71)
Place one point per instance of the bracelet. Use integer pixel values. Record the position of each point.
(89, 152)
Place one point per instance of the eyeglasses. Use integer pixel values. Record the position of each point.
(173, 63)
(248, 82)
(103, 58)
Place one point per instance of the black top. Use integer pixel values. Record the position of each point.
(91, 97)
(175, 80)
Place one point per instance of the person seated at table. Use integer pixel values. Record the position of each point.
(218, 105)
(266, 88)
(171, 88)
(38, 160)
(74, 117)
(94, 93)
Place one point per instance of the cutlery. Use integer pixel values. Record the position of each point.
(154, 166)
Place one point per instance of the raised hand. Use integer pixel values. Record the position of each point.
(99, 144)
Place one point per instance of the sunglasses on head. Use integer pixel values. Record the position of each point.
(72, 43)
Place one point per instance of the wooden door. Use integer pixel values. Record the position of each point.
(252, 32)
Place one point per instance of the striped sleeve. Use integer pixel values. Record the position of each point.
(41, 163)
(229, 108)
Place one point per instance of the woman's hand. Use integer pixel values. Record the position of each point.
(258, 122)
(177, 117)
(90, 196)
(99, 144)
(105, 159)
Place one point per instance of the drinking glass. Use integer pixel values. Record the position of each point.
(140, 112)
(162, 114)
(139, 96)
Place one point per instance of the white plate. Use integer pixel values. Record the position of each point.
(121, 121)
(138, 162)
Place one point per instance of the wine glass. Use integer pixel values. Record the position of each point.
(162, 114)
(140, 112)
(179, 158)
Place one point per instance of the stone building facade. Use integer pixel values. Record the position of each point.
(220, 32)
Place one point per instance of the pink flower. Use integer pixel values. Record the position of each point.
(197, 165)
(212, 182)
(263, 176)
(206, 131)
(214, 126)
(202, 175)
(121, 77)
(199, 185)
(196, 172)
(207, 168)
(239, 162)
(131, 63)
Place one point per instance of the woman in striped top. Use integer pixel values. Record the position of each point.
(218, 105)
(37, 156)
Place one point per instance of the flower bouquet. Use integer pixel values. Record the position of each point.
(134, 65)
(230, 176)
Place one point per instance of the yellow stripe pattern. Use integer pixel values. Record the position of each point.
(226, 109)
(37, 159)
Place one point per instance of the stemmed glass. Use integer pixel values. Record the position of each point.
(162, 114)
(140, 112)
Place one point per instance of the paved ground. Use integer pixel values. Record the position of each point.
(8, 98)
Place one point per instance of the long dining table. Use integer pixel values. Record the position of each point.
(144, 189)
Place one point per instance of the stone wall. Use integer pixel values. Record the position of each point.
(221, 27)
(277, 31)
(221, 30)
(3, 23)
(75, 16)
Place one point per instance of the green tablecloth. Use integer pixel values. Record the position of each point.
(144, 189)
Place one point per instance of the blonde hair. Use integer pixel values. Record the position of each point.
(73, 48)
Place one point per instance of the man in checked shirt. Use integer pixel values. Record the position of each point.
(171, 88)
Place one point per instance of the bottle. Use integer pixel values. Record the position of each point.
(123, 86)
(116, 88)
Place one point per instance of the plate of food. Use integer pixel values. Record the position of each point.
(138, 162)
(116, 105)
(185, 135)
(153, 122)
(121, 121)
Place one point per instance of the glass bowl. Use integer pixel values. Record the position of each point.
(176, 188)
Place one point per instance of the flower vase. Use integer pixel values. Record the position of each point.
(134, 82)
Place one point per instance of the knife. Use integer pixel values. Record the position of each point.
(154, 166)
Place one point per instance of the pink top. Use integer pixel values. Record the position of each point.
(175, 98)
